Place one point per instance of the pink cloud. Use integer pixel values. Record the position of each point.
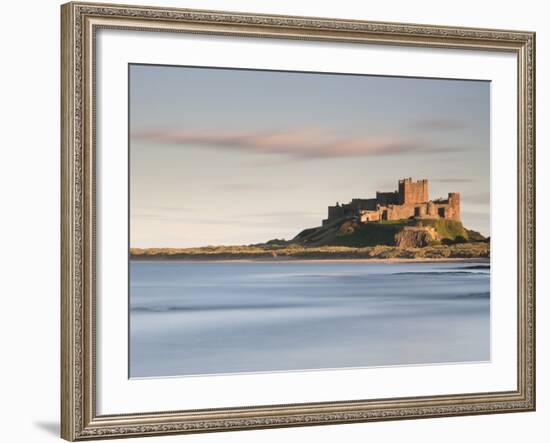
(300, 143)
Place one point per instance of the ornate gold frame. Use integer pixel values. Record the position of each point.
(79, 420)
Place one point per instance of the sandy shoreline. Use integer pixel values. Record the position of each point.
(314, 260)
(464, 252)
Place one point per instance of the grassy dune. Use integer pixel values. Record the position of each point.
(349, 232)
(267, 252)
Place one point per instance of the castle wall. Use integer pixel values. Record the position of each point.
(370, 216)
(399, 212)
(339, 211)
(369, 204)
(448, 208)
(431, 211)
(420, 210)
(387, 198)
(442, 209)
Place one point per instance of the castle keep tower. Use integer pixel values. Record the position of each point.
(413, 192)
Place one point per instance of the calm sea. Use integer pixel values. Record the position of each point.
(227, 317)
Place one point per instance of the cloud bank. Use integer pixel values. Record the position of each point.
(298, 143)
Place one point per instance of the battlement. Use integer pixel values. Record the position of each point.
(411, 200)
(410, 180)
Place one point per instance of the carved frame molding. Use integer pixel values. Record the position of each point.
(79, 24)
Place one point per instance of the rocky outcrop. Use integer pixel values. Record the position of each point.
(415, 233)
(415, 236)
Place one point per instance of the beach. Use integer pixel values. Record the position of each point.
(454, 252)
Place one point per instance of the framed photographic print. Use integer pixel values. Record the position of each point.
(283, 221)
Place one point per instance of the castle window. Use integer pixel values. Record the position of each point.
(441, 212)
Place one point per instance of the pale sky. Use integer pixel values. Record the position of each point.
(230, 157)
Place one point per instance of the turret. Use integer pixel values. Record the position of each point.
(454, 204)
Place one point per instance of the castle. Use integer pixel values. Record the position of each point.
(411, 200)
